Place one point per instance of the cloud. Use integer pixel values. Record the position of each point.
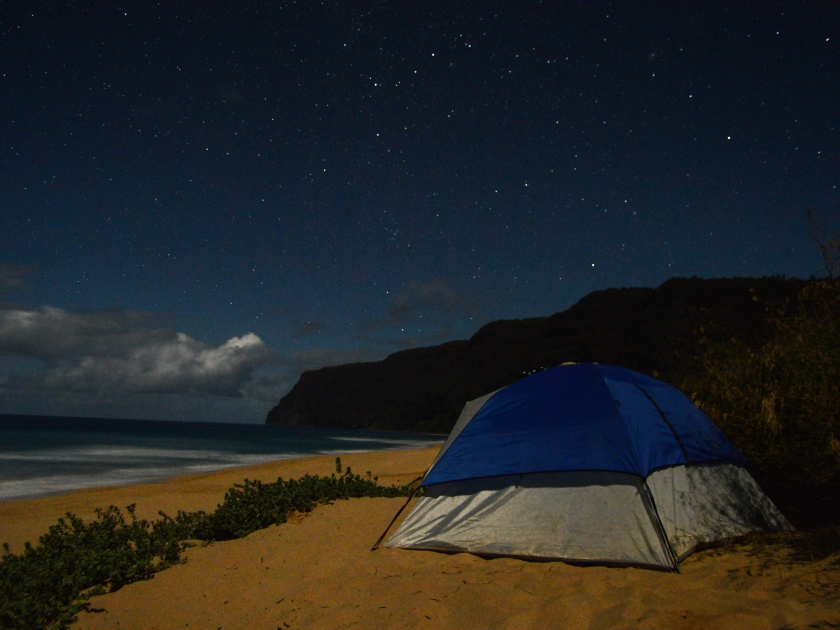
(130, 364)
(113, 351)
(50, 333)
(12, 275)
(431, 311)
(421, 299)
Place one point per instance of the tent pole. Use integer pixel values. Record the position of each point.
(660, 529)
(667, 422)
(396, 516)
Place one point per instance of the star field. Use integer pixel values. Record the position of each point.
(344, 180)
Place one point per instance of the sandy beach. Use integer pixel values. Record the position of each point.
(317, 571)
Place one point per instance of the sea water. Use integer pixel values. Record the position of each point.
(41, 456)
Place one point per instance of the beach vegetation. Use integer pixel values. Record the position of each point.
(778, 399)
(49, 583)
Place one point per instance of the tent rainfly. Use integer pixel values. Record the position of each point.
(586, 463)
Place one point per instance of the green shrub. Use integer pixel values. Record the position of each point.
(255, 505)
(43, 586)
(49, 583)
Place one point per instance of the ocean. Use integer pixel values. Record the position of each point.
(41, 456)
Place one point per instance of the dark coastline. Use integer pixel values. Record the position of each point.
(653, 331)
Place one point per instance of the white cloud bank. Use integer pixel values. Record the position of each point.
(112, 351)
(120, 363)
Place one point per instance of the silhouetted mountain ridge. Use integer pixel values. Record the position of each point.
(648, 330)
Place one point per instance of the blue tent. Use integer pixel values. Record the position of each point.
(589, 463)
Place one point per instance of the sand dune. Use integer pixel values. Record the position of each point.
(318, 572)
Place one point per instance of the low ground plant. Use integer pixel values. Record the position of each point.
(49, 583)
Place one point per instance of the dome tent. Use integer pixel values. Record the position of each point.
(585, 463)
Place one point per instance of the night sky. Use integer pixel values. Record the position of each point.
(199, 200)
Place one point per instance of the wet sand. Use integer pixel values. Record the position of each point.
(317, 571)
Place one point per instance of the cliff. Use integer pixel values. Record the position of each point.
(424, 389)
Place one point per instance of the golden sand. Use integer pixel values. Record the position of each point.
(317, 571)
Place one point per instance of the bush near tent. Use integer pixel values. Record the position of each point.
(779, 402)
(778, 399)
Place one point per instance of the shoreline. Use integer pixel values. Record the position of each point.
(50, 456)
(178, 472)
(25, 519)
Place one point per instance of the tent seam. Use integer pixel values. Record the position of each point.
(660, 530)
(668, 422)
(734, 462)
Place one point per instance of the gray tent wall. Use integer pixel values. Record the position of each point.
(588, 516)
(703, 503)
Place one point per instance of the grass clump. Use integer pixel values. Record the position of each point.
(48, 584)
